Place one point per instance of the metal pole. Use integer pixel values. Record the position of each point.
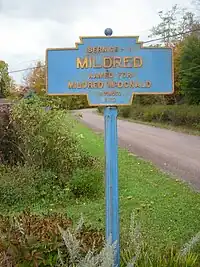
(111, 156)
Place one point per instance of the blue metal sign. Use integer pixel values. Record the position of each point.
(109, 70)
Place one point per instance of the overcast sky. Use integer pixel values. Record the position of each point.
(28, 27)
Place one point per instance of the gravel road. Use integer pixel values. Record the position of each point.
(173, 152)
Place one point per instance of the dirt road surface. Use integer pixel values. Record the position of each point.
(174, 152)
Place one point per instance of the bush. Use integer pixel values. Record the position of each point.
(30, 240)
(125, 112)
(26, 185)
(177, 115)
(100, 109)
(46, 138)
(9, 150)
(86, 183)
(47, 151)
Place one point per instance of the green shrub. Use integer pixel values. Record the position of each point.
(49, 152)
(86, 183)
(177, 115)
(46, 138)
(26, 185)
(125, 112)
(9, 150)
(100, 109)
(86, 160)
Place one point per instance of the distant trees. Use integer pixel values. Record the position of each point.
(180, 28)
(190, 69)
(6, 82)
(173, 24)
(36, 78)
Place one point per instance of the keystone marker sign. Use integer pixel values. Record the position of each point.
(110, 71)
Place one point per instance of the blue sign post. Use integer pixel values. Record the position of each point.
(109, 71)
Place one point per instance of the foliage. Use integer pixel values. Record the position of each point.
(173, 23)
(36, 78)
(177, 115)
(190, 69)
(24, 186)
(52, 240)
(9, 151)
(86, 183)
(30, 240)
(177, 72)
(49, 154)
(6, 82)
(104, 257)
(45, 138)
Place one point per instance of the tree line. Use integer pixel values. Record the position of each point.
(178, 28)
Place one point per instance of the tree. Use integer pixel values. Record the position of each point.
(175, 26)
(36, 78)
(174, 23)
(6, 82)
(190, 69)
(177, 75)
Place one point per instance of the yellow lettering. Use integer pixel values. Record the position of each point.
(79, 85)
(84, 85)
(137, 62)
(95, 65)
(126, 84)
(70, 85)
(148, 84)
(100, 84)
(132, 84)
(90, 85)
(126, 62)
(107, 62)
(116, 62)
(82, 63)
(89, 49)
(90, 62)
(137, 85)
(120, 84)
(111, 84)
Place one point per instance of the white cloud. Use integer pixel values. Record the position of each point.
(28, 27)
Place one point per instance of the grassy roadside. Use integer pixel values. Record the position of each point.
(60, 162)
(169, 210)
